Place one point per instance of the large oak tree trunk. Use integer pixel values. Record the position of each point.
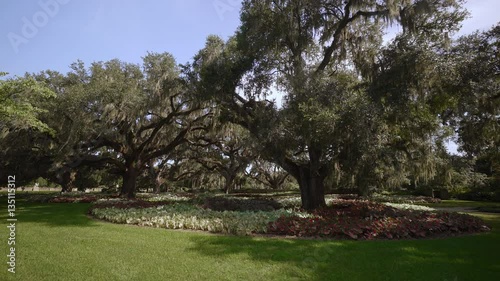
(229, 183)
(66, 181)
(129, 181)
(158, 184)
(311, 177)
(312, 189)
(155, 174)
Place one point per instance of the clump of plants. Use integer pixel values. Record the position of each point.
(74, 199)
(369, 220)
(65, 198)
(171, 197)
(408, 199)
(295, 201)
(119, 203)
(239, 204)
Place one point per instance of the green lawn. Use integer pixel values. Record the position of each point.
(464, 203)
(58, 242)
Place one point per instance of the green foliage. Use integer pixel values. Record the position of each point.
(337, 120)
(22, 101)
(477, 83)
(356, 115)
(269, 174)
(118, 118)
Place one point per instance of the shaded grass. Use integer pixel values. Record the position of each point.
(474, 257)
(59, 242)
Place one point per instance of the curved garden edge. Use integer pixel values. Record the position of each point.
(354, 220)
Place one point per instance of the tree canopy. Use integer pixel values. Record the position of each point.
(323, 55)
(356, 113)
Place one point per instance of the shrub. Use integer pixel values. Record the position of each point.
(476, 195)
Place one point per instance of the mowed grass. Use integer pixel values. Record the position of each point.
(464, 203)
(59, 242)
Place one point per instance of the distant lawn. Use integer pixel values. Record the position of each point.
(463, 203)
(58, 242)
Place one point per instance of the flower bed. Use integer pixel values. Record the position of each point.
(66, 198)
(240, 204)
(75, 199)
(351, 219)
(409, 199)
(162, 197)
(119, 203)
(186, 216)
(368, 220)
(406, 206)
(295, 201)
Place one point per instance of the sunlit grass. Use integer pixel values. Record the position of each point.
(59, 242)
(463, 203)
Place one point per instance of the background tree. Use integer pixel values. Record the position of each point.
(228, 151)
(476, 81)
(268, 173)
(133, 116)
(22, 102)
(25, 133)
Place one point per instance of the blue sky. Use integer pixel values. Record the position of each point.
(51, 34)
(95, 30)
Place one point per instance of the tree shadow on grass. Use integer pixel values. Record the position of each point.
(473, 257)
(51, 214)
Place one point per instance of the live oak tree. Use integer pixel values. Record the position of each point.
(226, 150)
(407, 90)
(475, 78)
(268, 173)
(134, 116)
(184, 171)
(316, 54)
(65, 114)
(478, 84)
